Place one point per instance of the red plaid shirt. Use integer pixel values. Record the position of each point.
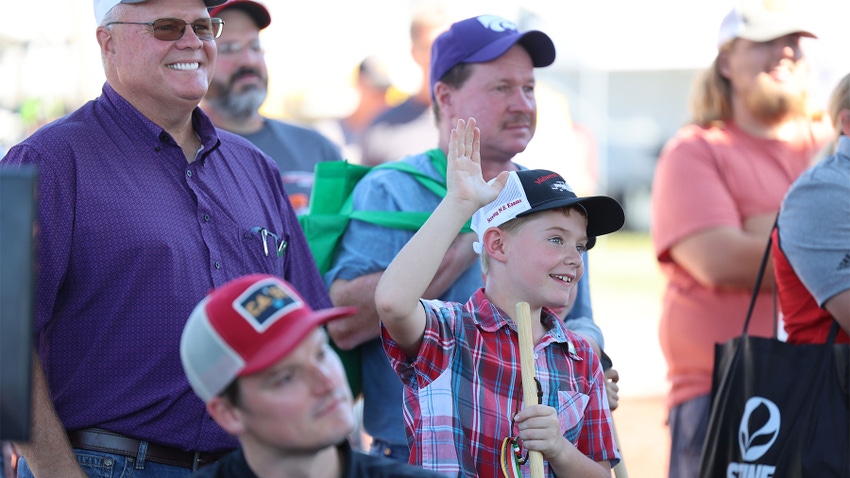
(465, 385)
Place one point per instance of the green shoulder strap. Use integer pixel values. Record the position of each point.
(407, 220)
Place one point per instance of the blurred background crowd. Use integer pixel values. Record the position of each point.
(620, 79)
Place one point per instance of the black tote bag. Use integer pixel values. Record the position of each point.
(778, 410)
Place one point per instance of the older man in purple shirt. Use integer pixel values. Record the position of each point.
(143, 207)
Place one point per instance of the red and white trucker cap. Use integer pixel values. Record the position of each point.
(243, 327)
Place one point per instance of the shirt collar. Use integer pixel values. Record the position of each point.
(490, 318)
(843, 146)
(130, 116)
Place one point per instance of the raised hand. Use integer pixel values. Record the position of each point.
(464, 178)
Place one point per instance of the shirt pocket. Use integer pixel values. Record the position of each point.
(263, 251)
(571, 407)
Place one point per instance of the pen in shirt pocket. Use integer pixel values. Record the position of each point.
(265, 234)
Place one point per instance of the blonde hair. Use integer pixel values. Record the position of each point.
(839, 101)
(711, 94)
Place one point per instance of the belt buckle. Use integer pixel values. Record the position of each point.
(196, 461)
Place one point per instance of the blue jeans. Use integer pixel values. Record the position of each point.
(396, 452)
(96, 464)
(688, 423)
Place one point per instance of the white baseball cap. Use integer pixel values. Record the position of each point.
(535, 190)
(243, 327)
(761, 21)
(102, 7)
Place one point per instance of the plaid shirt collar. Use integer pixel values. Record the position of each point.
(491, 318)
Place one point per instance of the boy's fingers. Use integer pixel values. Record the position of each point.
(533, 411)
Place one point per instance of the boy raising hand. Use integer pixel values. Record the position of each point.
(459, 363)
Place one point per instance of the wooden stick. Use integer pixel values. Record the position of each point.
(529, 388)
(619, 468)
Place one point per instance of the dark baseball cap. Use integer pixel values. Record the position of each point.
(255, 10)
(535, 190)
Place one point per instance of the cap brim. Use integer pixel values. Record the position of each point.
(773, 33)
(538, 45)
(279, 347)
(604, 214)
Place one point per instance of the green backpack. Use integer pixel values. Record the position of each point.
(331, 204)
(331, 209)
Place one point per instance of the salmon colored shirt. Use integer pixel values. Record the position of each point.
(707, 178)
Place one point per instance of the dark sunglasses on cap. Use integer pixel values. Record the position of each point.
(172, 29)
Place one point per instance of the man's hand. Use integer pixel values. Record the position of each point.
(611, 387)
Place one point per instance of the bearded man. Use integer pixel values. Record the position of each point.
(717, 189)
(238, 89)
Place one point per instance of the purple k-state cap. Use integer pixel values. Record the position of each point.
(484, 38)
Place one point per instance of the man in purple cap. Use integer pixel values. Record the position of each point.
(259, 358)
(144, 206)
(481, 67)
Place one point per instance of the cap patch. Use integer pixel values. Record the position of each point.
(496, 23)
(263, 304)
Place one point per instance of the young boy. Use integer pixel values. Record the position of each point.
(460, 362)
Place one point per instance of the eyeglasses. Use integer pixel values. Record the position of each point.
(510, 455)
(234, 48)
(172, 29)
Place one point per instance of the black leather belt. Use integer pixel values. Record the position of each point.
(105, 441)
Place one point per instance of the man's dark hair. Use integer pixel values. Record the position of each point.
(455, 78)
(232, 393)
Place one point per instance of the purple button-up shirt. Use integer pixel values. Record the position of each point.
(130, 238)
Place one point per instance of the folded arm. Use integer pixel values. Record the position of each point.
(727, 257)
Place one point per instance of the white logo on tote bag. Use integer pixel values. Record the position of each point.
(768, 431)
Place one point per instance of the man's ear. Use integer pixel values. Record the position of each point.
(106, 40)
(844, 122)
(723, 62)
(443, 96)
(494, 244)
(226, 415)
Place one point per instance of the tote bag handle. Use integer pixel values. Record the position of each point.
(833, 331)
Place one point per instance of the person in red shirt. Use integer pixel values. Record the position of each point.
(811, 243)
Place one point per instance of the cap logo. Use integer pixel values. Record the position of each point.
(496, 23)
(263, 304)
(543, 179)
(503, 208)
(561, 186)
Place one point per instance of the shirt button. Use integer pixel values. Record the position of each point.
(206, 218)
(188, 173)
(157, 149)
(217, 265)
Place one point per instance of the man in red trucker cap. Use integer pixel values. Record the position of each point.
(259, 358)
